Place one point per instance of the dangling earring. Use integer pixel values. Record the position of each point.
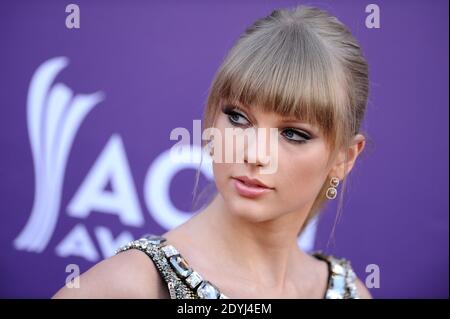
(331, 191)
(210, 148)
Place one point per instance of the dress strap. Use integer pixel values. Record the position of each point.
(151, 246)
(182, 281)
(341, 277)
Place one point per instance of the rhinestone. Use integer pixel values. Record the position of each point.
(169, 251)
(352, 291)
(156, 240)
(351, 276)
(338, 269)
(194, 279)
(143, 243)
(172, 290)
(334, 182)
(180, 265)
(333, 294)
(338, 282)
(207, 291)
(331, 193)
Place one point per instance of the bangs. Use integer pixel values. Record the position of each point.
(290, 72)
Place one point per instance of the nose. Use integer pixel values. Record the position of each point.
(257, 148)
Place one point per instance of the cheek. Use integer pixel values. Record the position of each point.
(301, 173)
(222, 173)
(222, 170)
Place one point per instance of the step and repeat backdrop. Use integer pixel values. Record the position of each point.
(91, 90)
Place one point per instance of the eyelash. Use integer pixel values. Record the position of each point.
(230, 112)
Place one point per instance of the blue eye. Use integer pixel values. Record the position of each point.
(236, 118)
(295, 136)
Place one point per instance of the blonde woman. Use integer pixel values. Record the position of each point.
(301, 72)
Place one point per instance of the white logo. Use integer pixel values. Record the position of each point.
(54, 115)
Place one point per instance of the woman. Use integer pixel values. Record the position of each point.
(298, 71)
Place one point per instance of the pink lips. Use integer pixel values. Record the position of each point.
(251, 188)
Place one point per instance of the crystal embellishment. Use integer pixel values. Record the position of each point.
(334, 182)
(194, 279)
(331, 193)
(338, 269)
(207, 291)
(143, 243)
(351, 276)
(333, 294)
(169, 251)
(155, 240)
(180, 265)
(338, 283)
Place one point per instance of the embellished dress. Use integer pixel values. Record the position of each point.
(183, 282)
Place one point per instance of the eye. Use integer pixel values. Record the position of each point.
(236, 118)
(295, 136)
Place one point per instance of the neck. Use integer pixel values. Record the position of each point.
(265, 253)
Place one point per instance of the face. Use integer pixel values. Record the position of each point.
(291, 188)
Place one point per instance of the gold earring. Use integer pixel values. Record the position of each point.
(331, 191)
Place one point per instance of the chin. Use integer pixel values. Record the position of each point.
(249, 209)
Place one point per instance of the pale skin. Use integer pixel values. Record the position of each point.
(245, 246)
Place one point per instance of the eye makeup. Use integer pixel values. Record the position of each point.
(237, 117)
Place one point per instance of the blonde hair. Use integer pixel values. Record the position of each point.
(302, 63)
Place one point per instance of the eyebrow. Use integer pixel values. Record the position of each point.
(239, 107)
(292, 119)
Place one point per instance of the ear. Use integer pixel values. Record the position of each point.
(342, 165)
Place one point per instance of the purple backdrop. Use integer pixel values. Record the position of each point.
(151, 64)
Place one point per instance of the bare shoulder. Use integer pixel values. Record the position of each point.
(363, 292)
(129, 274)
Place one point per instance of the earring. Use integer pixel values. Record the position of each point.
(331, 191)
(210, 148)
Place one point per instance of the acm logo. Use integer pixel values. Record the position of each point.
(54, 115)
